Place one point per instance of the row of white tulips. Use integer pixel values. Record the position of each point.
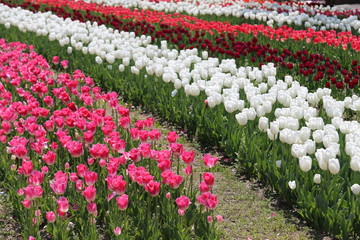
(223, 83)
(251, 10)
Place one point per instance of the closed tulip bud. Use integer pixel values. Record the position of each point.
(204, 55)
(69, 50)
(310, 146)
(168, 195)
(117, 231)
(317, 178)
(355, 189)
(271, 136)
(305, 163)
(250, 113)
(305, 133)
(241, 118)
(263, 124)
(334, 165)
(121, 68)
(355, 163)
(274, 127)
(288, 80)
(278, 163)
(292, 185)
(98, 60)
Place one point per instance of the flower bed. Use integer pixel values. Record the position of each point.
(73, 170)
(247, 111)
(331, 38)
(274, 14)
(323, 70)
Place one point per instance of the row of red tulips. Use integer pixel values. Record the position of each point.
(331, 38)
(72, 148)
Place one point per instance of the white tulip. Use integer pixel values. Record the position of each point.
(355, 188)
(317, 178)
(355, 163)
(298, 150)
(263, 124)
(292, 185)
(98, 60)
(305, 163)
(334, 165)
(278, 163)
(241, 118)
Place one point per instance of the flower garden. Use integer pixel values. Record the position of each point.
(274, 85)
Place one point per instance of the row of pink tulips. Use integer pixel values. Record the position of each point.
(78, 164)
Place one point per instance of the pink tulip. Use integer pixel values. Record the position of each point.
(209, 160)
(56, 60)
(73, 177)
(153, 188)
(172, 137)
(209, 178)
(89, 193)
(26, 203)
(172, 179)
(102, 163)
(188, 157)
(63, 204)
(208, 200)
(49, 158)
(81, 170)
(204, 187)
(145, 149)
(36, 177)
(90, 178)
(168, 195)
(32, 191)
(117, 231)
(64, 64)
(177, 148)
(92, 209)
(58, 186)
(154, 134)
(26, 168)
(122, 202)
(99, 151)
(183, 202)
(116, 183)
(188, 170)
(50, 216)
(79, 185)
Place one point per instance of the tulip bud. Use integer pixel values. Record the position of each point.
(355, 163)
(305, 163)
(278, 163)
(355, 189)
(263, 124)
(241, 118)
(317, 178)
(292, 185)
(117, 231)
(334, 165)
